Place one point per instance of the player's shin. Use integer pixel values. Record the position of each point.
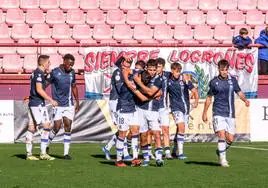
(29, 142)
(44, 140)
(67, 142)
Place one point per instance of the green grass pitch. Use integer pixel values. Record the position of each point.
(249, 168)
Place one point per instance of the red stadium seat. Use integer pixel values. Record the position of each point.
(55, 60)
(108, 41)
(86, 5)
(115, 17)
(170, 41)
(223, 33)
(211, 41)
(48, 50)
(122, 32)
(175, 17)
(29, 4)
(10, 4)
(79, 63)
(142, 32)
(203, 32)
(61, 31)
(40, 31)
(109, 5)
(246, 5)
(206, 5)
(183, 32)
(146, 5)
(189, 42)
(129, 4)
(238, 27)
(26, 50)
(135, 17)
(149, 41)
(163, 32)
(7, 50)
(12, 63)
(2, 17)
(20, 31)
(55, 17)
(4, 31)
(254, 17)
(14, 16)
(155, 17)
(95, 17)
(49, 4)
(82, 32)
(257, 30)
(75, 16)
(188, 5)
(215, 17)
(168, 4)
(69, 4)
(30, 63)
(227, 5)
(129, 41)
(66, 50)
(195, 17)
(102, 32)
(35, 16)
(235, 18)
(262, 5)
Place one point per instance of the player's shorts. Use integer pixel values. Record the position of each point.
(149, 120)
(114, 115)
(224, 123)
(164, 117)
(59, 112)
(125, 120)
(38, 115)
(180, 117)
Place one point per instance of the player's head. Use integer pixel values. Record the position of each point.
(151, 67)
(68, 62)
(140, 65)
(145, 77)
(126, 64)
(43, 61)
(243, 32)
(160, 65)
(223, 66)
(175, 69)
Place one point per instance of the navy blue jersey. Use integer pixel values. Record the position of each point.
(241, 42)
(113, 93)
(61, 86)
(178, 91)
(35, 99)
(163, 99)
(126, 103)
(152, 105)
(223, 92)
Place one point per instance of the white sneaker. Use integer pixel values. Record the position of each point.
(224, 163)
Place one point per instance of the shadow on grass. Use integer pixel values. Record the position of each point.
(20, 156)
(57, 156)
(202, 163)
(99, 156)
(108, 163)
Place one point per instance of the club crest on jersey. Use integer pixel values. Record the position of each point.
(230, 82)
(117, 77)
(181, 83)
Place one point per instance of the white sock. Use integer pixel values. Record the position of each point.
(158, 153)
(180, 141)
(119, 148)
(67, 142)
(125, 151)
(29, 142)
(111, 143)
(222, 149)
(44, 140)
(167, 150)
(149, 149)
(135, 146)
(145, 153)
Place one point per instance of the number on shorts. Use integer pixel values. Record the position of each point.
(121, 121)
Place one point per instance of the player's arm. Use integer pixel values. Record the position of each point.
(188, 82)
(43, 94)
(75, 93)
(140, 95)
(196, 97)
(150, 91)
(238, 91)
(206, 106)
(126, 73)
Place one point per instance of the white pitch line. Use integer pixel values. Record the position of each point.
(250, 148)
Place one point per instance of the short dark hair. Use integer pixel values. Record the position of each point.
(160, 61)
(151, 63)
(145, 77)
(42, 58)
(175, 66)
(68, 56)
(141, 63)
(223, 63)
(243, 31)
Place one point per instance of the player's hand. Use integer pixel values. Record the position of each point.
(54, 103)
(195, 104)
(247, 103)
(137, 78)
(205, 118)
(77, 107)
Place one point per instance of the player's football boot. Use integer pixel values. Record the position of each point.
(182, 157)
(67, 157)
(46, 157)
(151, 156)
(106, 153)
(168, 156)
(224, 163)
(135, 162)
(159, 163)
(145, 163)
(127, 158)
(32, 158)
(120, 164)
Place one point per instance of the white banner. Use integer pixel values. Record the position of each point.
(259, 120)
(200, 62)
(6, 121)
